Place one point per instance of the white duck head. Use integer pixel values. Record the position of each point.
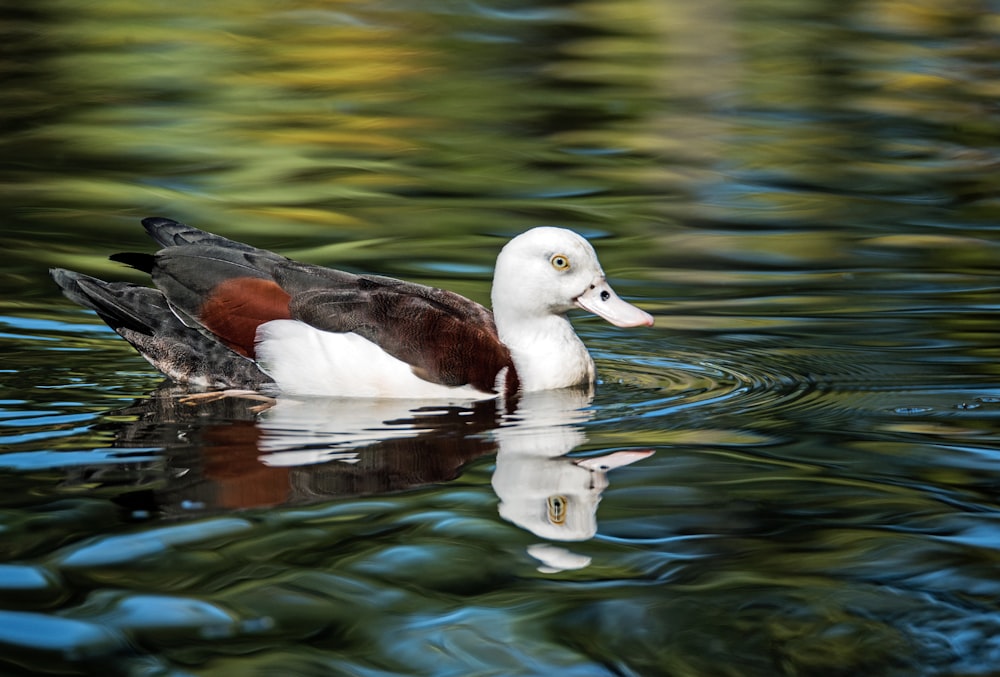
(541, 275)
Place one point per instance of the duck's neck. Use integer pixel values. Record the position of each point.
(546, 351)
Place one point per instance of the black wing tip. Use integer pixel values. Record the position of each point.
(143, 262)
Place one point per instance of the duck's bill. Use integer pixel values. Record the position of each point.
(614, 460)
(601, 300)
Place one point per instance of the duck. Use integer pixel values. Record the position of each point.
(226, 315)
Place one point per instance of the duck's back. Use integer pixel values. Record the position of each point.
(234, 291)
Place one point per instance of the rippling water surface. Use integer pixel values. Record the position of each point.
(795, 472)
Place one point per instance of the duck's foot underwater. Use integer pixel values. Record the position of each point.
(194, 399)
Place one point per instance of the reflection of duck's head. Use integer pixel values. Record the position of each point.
(540, 489)
(552, 498)
(556, 498)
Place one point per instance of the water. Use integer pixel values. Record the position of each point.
(793, 473)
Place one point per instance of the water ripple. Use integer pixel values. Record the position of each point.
(823, 386)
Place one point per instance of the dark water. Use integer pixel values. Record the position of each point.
(795, 472)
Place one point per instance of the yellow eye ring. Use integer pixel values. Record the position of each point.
(559, 261)
(558, 506)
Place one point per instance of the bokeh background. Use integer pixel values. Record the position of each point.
(803, 192)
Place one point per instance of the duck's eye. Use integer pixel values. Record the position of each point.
(557, 508)
(560, 261)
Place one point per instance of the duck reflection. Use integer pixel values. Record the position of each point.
(233, 453)
(541, 489)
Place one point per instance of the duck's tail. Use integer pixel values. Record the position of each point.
(142, 316)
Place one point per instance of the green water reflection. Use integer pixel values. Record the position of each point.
(803, 193)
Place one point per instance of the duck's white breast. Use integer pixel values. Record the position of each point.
(307, 361)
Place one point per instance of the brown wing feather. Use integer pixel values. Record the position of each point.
(236, 307)
(445, 338)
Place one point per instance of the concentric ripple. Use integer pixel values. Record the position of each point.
(811, 386)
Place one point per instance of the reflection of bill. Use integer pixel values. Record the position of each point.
(555, 498)
(541, 489)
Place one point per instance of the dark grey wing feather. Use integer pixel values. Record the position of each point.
(170, 233)
(142, 316)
